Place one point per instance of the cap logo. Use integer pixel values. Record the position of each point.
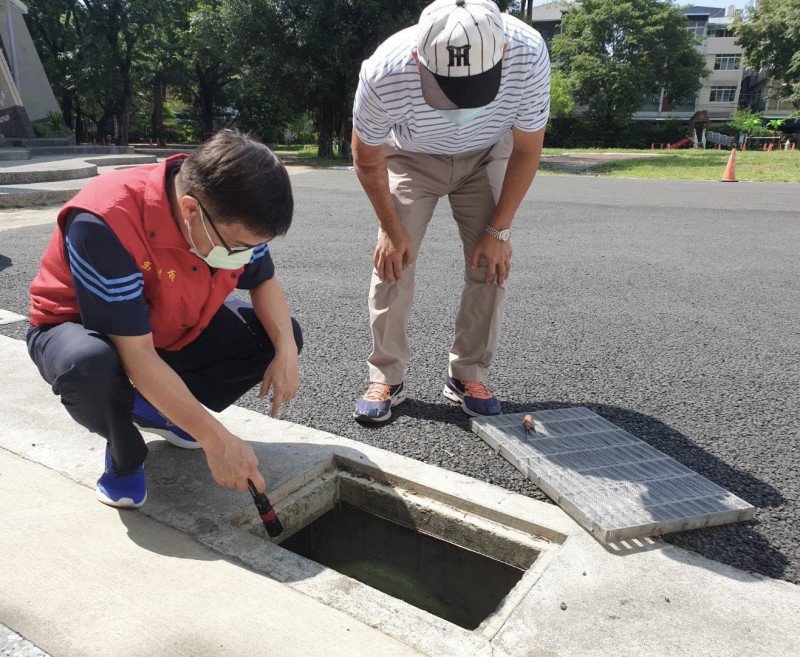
(459, 55)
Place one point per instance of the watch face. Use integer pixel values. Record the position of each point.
(505, 235)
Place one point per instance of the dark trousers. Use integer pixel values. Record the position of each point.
(84, 369)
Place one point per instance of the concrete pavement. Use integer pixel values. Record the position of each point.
(183, 576)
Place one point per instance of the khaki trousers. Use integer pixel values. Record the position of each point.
(472, 182)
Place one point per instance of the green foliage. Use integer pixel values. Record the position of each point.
(89, 49)
(769, 32)
(55, 120)
(744, 119)
(618, 53)
(300, 55)
(775, 125)
(562, 91)
(582, 132)
(300, 130)
(48, 129)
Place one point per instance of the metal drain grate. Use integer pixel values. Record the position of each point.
(613, 484)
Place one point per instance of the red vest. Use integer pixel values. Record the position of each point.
(181, 290)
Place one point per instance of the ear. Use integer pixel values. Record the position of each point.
(415, 55)
(189, 207)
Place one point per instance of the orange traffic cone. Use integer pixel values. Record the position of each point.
(770, 148)
(730, 170)
(794, 147)
(652, 146)
(719, 147)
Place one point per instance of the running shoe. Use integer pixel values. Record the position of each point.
(474, 397)
(376, 404)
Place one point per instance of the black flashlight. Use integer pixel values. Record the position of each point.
(265, 511)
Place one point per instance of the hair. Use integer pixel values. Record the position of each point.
(242, 181)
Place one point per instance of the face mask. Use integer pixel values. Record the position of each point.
(218, 257)
(461, 116)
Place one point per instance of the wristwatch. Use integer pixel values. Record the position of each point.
(502, 235)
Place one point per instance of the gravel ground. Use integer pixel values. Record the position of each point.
(669, 308)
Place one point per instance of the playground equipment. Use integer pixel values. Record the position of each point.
(695, 131)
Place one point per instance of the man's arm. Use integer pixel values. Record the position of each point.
(394, 246)
(522, 166)
(273, 312)
(521, 169)
(231, 460)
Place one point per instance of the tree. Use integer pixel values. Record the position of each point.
(162, 60)
(562, 100)
(769, 33)
(114, 33)
(620, 52)
(207, 63)
(305, 55)
(52, 27)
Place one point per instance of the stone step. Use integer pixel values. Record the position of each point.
(164, 152)
(8, 154)
(82, 150)
(40, 170)
(37, 142)
(46, 193)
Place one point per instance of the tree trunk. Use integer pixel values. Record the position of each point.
(205, 102)
(124, 119)
(207, 115)
(157, 118)
(79, 132)
(66, 111)
(102, 126)
(325, 132)
(528, 8)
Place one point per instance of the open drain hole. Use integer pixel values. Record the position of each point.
(459, 585)
(451, 562)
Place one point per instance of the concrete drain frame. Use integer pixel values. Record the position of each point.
(515, 541)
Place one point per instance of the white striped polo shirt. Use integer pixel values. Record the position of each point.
(389, 97)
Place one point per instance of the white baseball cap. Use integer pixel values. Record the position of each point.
(460, 49)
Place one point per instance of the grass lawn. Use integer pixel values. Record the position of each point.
(306, 155)
(778, 166)
(688, 164)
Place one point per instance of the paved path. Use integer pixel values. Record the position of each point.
(192, 574)
(668, 307)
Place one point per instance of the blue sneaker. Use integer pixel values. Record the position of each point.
(121, 490)
(146, 417)
(474, 397)
(376, 404)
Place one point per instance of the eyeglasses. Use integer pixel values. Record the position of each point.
(221, 239)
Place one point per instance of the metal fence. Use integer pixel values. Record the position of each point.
(718, 138)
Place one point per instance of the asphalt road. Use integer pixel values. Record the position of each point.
(670, 308)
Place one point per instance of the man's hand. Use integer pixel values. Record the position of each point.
(283, 377)
(497, 255)
(391, 253)
(232, 462)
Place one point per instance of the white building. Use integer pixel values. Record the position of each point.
(719, 93)
(25, 93)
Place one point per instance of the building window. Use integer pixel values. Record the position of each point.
(719, 32)
(723, 94)
(727, 62)
(696, 26)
